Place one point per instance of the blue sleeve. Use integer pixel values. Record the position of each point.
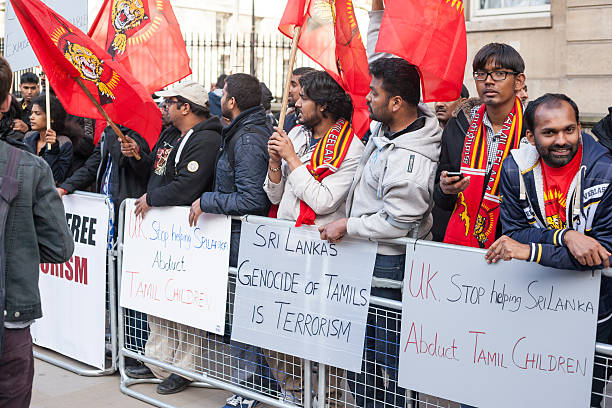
(60, 159)
(251, 169)
(515, 222)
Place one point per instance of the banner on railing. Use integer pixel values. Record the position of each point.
(302, 296)
(174, 271)
(73, 293)
(514, 334)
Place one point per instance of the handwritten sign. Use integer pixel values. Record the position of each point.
(17, 49)
(302, 296)
(72, 294)
(514, 334)
(175, 271)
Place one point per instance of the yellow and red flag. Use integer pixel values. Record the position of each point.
(143, 36)
(67, 54)
(330, 36)
(431, 35)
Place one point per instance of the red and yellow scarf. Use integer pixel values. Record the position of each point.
(326, 158)
(474, 219)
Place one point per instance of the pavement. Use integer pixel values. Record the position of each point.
(55, 387)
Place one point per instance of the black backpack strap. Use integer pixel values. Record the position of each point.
(9, 186)
(231, 144)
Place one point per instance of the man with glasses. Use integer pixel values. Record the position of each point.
(496, 127)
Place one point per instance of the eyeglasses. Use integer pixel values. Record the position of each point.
(495, 75)
(168, 103)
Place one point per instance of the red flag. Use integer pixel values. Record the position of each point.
(431, 35)
(330, 36)
(143, 36)
(66, 53)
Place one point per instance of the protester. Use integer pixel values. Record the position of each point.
(15, 112)
(266, 102)
(390, 197)
(307, 190)
(603, 130)
(294, 95)
(445, 110)
(556, 204)
(29, 89)
(240, 172)
(215, 94)
(59, 154)
(80, 131)
(181, 168)
(523, 96)
(35, 231)
(472, 196)
(456, 127)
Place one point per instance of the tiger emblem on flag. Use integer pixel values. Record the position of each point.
(90, 67)
(127, 15)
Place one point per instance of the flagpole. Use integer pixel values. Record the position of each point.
(104, 114)
(294, 46)
(48, 104)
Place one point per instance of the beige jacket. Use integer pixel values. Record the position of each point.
(327, 198)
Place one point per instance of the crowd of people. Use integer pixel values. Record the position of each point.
(516, 177)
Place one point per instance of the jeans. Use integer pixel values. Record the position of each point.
(16, 369)
(376, 385)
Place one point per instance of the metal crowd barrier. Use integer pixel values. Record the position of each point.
(214, 365)
(111, 344)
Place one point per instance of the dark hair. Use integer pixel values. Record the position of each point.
(198, 110)
(551, 100)
(303, 71)
(245, 89)
(29, 78)
(503, 56)
(464, 92)
(6, 79)
(399, 78)
(266, 97)
(58, 113)
(221, 81)
(323, 90)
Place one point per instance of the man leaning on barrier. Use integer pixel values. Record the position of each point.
(34, 230)
(311, 187)
(556, 204)
(391, 196)
(239, 176)
(181, 168)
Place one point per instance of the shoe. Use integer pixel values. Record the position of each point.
(172, 385)
(139, 371)
(236, 401)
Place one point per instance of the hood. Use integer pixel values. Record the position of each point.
(252, 116)
(425, 141)
(467, 106)
(527, 156)
(603, 130)
(213, 123)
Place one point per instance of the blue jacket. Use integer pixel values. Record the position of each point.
(242, 166)
(589, 208)
(59, 157)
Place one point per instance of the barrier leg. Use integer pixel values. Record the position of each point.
(307, 384)
(322, 386)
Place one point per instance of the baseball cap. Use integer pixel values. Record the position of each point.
(190, 90)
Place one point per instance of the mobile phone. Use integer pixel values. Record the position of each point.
(454, 174)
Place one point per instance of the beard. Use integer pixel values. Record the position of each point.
(547, 153)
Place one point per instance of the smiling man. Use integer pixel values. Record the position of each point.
(496, 127)
(556, 202)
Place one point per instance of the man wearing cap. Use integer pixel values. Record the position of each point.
(180, 169)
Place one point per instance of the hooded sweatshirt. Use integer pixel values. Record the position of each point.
(392, 192)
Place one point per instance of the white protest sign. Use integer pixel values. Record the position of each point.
(175, 271)
(302, 296)
(73, 294)
(513, 334)
(17, 49)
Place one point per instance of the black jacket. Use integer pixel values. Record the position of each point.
(194, 174)
(126, 181)
(242, 167)
(603, 130)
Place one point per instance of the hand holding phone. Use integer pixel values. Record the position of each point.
(453, 182)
